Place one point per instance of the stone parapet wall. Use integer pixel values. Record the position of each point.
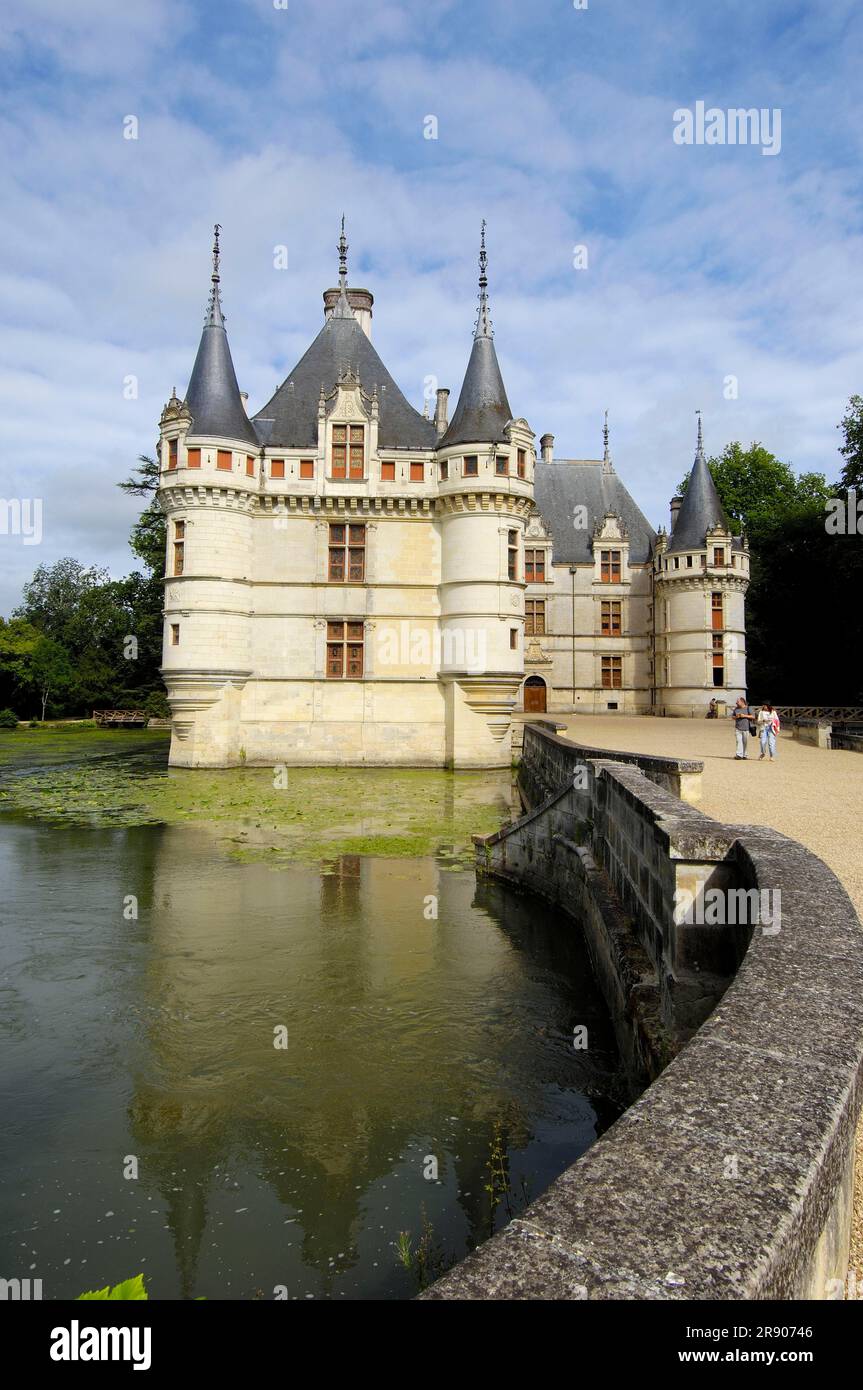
(731, 1176)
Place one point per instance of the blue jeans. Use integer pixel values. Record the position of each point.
(767, 739)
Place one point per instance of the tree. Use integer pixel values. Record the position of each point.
(49, 670)
(851, 448)
(149, 533)
(52, 601)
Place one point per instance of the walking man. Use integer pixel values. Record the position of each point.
(768, 728)
(742, 721)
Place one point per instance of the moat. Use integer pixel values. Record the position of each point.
(291, 1010)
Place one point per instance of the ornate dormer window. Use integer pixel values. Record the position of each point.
(348, 451)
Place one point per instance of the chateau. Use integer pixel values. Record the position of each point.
(350, 581)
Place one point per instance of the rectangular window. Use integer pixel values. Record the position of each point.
(344, 650)
(250, 466)
(718, 660)
(612, 672)
(512, 554)
(179, 547)
(418, 473)
(718, 557)
(522, 463)
(716, 615)
(534, 566)
(534, 617)
(347, 559)
(513, 638)
(172, 453)
(223, 459)
(193, 458)
(689, 562)
(611, 618)
(340, 451)
(388, 472)
(444, 471)
(358, 452)
(471, 466)
(609, 566)
(277, 468)
(501, 466)
(175, 634)
(307, 468)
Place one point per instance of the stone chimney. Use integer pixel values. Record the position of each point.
(546, 444)
(676, 504)
(441, 410)
(361, 302)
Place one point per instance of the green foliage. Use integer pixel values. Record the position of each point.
(8, 719)
(804, 618)
(129, 1289)
(428, 1262)
(851, 448)
(156, 705)
(149, 534)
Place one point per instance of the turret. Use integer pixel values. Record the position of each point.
(208, 486)
(701, 578)
(486, 462)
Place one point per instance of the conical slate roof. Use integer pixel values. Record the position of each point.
(290, 417)
(213, 397)
(701, 508)
(483, 409)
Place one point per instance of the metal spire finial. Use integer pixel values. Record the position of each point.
(483, 321)
(343, 258)
(214, 308)
(606, 457)
(699, 449)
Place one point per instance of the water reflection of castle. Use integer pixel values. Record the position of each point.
(374, 996)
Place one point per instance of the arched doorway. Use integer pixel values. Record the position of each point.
(534, 695)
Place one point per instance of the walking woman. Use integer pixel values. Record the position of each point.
(768, 728)
(742, 722)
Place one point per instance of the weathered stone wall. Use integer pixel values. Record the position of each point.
(731, 1177)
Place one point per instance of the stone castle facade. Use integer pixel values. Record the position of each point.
(350, 581)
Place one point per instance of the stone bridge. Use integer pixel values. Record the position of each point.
(731, 1175)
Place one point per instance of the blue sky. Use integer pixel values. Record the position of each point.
(554, 123)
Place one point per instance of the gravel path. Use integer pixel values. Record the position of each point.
(812, 794)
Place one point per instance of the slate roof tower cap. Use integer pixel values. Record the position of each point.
(290, 417)
(483, 411)
(213, 397)
(701, 508)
